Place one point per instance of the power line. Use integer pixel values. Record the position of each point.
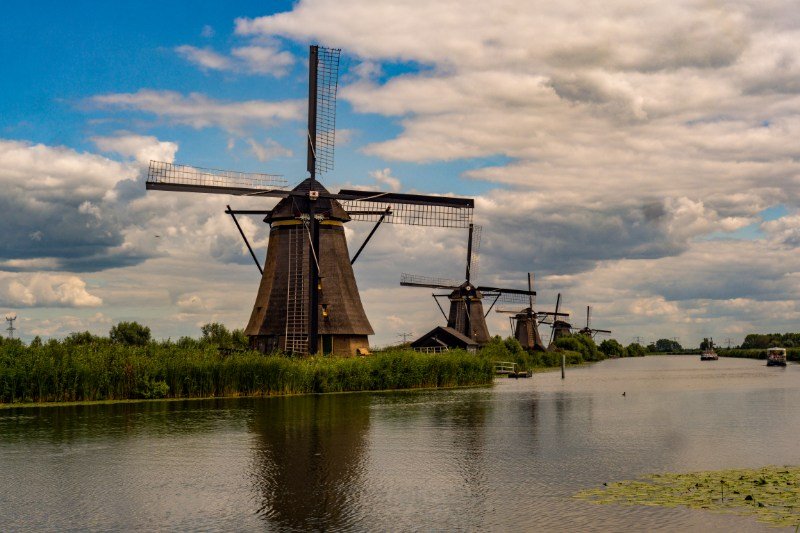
(10, 318)
(405, 336)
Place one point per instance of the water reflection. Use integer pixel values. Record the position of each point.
(309, 459)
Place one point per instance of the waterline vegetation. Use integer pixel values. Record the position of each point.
(770, 494)
(130, 365)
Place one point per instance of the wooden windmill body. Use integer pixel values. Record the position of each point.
(279, 317)
(308, 299)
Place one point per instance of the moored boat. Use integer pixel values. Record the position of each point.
(776, 357)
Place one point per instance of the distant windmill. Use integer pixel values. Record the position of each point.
(466, 314)
(588, 330)
(308, 299)
(558, 328)
(525, 322)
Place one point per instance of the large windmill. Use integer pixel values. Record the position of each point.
(466, 314)
(589, 330)
(525, 322)
(308, 299)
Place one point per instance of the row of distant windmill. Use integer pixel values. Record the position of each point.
(308, 301)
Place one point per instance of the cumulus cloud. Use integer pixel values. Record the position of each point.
(142, 148)
(252, 59)
(205, 58)
(62, 326)
(60, 209)
(200, 111)
(45, 290)
(269, 149)
(384, 177)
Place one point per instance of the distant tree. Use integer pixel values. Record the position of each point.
(216, 333)
(635, 350)
(81, 337)
(36, 342)
(668, 346)
(582, 344)
(187, 342)
(759, 341)
(239, 339)
(612, 348)
(651, 348)
(130, 333)
(706, 344)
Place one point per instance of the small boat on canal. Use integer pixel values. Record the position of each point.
(776, 357)
(709, 354)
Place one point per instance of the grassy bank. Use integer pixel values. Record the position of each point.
(129, 365)
(792, 354)
(58, 372)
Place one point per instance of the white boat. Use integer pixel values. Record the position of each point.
(776, 356)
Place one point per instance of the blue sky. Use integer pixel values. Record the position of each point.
(645, 164)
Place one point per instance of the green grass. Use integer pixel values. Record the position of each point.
(770, 494)
(60, 372)
(792, 354)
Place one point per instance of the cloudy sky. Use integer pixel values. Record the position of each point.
(639, 157)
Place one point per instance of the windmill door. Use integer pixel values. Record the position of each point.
(327, 344)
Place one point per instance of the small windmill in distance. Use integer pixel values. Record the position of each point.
(466, 316)
(10, 318)
(525, 322)
(558, 328)
(589, 330)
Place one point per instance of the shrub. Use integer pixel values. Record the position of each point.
(583, 344)
(612, 348)
(130, 334)
(635, 350)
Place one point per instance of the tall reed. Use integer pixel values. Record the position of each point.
(55, 372)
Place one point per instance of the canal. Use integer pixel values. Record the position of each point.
(509, 457)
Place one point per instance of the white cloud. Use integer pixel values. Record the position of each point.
(64, 325)
(252, 59)
(205, 58)
(264, 60)
(45, 290)
(65, 210)
(57, 172)
(267, 150)
(200, 111)
(142, 148)
(385, 177)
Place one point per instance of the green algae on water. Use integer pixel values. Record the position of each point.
(770, 494)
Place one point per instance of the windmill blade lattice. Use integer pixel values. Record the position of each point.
(476, 248)
(415, 280)
(508, 298)
(214, 180)
(327, 85)
(444, 213)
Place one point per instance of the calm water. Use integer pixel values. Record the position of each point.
(502, 458)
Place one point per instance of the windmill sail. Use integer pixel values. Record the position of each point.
(322, 87)
(173, 177)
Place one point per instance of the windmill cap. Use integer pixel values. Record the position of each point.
(292, 206)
